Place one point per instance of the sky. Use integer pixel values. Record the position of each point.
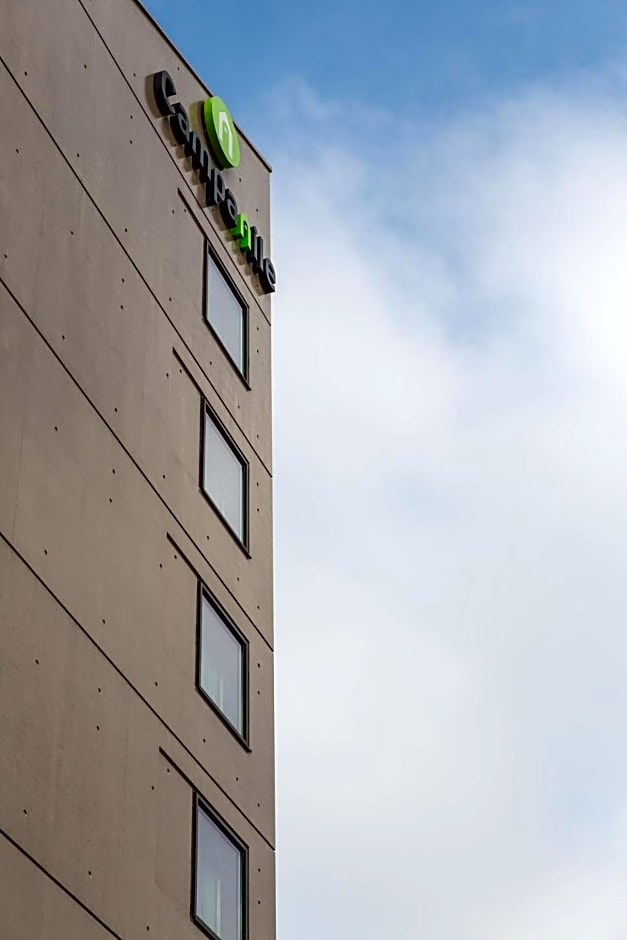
(450, 393)
(407, 56)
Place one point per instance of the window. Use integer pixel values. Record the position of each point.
(218, 902)
(224, 476)
(222, 665)
(225, 313)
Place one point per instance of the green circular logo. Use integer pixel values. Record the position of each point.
(221, 132)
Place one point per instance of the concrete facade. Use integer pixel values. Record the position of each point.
(105, 535)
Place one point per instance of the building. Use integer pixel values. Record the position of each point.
(136, 605)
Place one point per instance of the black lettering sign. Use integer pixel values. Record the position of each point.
(268, 277)
(179, 123)
(195, 149)
(217, 193)
(216, 188)
(163, 88)
(228, 209)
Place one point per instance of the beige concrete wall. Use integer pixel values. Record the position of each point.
(94, 786)
(104, 532)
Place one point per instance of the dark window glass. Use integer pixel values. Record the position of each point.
(221, 665)
(219, 879)
(224, 477)
(226, 314)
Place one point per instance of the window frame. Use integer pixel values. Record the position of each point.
(242, 736)
(242, 541)
(209, 253)
(198, 804)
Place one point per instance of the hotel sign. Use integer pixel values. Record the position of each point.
(224, 144)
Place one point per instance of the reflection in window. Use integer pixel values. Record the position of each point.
(219, 879)
(226, 314)
(224, 477)
(221, 665)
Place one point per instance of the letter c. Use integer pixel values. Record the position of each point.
(163, 88)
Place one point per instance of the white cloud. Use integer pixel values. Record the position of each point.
(450, 400)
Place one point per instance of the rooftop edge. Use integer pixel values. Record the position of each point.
(187, 65)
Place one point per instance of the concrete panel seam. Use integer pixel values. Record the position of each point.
(188, 372)
(19, 468)
(200, 80)
(125, 252)
(130, 685)
(123, 447)
(198, 575)
(192, 205)
(193, 71)
(59, 884)
(176, 163)
(195, 382)
(195, 789)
